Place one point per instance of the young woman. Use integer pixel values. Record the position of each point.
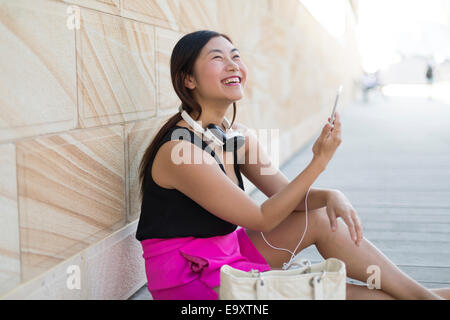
(191, 209)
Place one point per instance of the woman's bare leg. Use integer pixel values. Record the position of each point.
(394, 282)
(361, 292)
(443, 292)
(357, 259)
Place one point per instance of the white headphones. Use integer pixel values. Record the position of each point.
(214, 133)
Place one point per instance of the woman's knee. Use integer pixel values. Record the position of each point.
(319, 219)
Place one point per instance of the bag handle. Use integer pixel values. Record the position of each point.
(317, 284)
(262, 290)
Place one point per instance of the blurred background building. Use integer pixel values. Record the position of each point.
(401, 40)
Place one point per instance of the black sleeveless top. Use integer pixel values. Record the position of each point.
(169, 213)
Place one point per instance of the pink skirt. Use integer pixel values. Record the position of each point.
(188, 268)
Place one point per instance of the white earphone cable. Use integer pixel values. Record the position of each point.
(286, 265)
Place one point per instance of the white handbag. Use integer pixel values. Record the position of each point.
(298, 280)
(302, 281)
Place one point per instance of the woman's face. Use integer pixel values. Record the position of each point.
(218, 60)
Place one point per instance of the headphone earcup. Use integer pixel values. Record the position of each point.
(217, 131)
(236, 141)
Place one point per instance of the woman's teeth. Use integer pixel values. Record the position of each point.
(231, 82)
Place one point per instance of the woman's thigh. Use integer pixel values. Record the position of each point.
(288, 233)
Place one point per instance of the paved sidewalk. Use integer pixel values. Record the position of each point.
(394, 166)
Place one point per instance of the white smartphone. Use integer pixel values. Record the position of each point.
(335, 104)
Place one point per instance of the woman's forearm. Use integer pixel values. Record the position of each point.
(317, 198)
(280, 205)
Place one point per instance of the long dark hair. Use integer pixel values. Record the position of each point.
(182, 61)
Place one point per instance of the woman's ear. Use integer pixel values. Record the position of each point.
(189, 82)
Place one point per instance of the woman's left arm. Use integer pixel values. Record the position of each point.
(336, 203)
(270, 184)
(339, 206)
(317, 198)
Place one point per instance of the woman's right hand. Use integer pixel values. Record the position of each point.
(328, 141)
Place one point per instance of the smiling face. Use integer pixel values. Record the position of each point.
(218, 60)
